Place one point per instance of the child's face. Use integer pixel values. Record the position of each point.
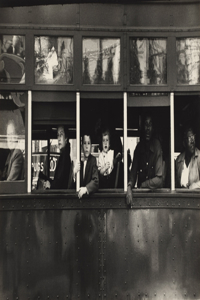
(106, 143)
(86, 146)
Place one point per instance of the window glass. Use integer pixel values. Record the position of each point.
(101, 61)
(12, 59)
(188, 60)
(53, 60)
(103, 120)
(148, 146)
(148, 61)
(187, 141)
(12, 136)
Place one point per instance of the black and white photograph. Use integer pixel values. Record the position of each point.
(100, 150)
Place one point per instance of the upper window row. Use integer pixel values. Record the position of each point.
(101, 60)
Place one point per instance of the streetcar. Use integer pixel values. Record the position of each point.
(82, 65)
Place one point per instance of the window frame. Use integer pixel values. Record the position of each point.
(125, 34)
(103, 87)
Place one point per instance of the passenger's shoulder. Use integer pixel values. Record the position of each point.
(17, 153)
(92, 158)
(156, 143)
(180, 157)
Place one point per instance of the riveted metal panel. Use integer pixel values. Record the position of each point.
(55, 246)
(44, 15)
(153, 254)
(157, 15)
(95, 14)
(98, 201)
(51, 254)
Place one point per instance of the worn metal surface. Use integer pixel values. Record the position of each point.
(139, 14)
(97, 248)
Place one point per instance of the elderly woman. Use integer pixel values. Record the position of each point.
(188, 163)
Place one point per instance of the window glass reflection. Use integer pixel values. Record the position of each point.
(148, 61)
(53, 60)
(101, 61)
(12, 59)
(12, 136)
(188, 60)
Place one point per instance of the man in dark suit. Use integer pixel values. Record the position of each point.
(88, 167)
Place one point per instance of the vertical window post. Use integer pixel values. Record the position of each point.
(78, 136)
(172, 140)
(125, 142)
(29, 142)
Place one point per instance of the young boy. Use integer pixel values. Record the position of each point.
(89, 172)
(107, 162)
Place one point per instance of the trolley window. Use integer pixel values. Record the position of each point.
(148, 141)
(53, 143)
(53, 60)
(187, 142)
(103, 119)
(12, 59)
(148, 61)
(101, 61)
(188, 60)
(12, 142)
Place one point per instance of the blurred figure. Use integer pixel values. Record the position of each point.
(188, 163)
(14, 166)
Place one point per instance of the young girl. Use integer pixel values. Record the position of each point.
(107, 162)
